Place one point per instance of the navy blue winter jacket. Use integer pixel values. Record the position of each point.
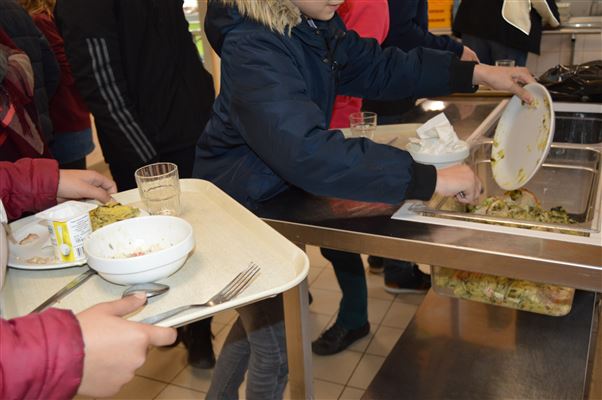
(269, 127)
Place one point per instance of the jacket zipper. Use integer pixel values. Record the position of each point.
(330, 56)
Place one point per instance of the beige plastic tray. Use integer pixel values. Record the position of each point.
(228, 237)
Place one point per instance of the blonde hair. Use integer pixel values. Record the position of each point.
(38, 6)
(279, 15)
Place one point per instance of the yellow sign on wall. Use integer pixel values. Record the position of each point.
(440, 13)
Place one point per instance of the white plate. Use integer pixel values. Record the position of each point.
(522, 138)
(41, 247)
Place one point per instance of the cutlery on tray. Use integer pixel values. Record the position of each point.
(78, 281)
(230, 291)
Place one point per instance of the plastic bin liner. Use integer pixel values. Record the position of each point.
(575, 82)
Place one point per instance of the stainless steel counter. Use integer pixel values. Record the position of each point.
(367, 227)
(456, 349)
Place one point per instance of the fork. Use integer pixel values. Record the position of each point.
(232, 289)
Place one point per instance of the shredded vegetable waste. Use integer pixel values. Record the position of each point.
(514, 293)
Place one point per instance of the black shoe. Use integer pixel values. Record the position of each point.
(414, 282)
(376, 265)
(336, 339)
(197, 339)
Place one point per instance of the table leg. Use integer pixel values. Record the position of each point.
(298, 341)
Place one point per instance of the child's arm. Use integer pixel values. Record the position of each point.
(271, 107)
(392, 74)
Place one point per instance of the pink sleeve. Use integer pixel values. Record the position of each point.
(370, 19)
(28, 185)
(41, 356)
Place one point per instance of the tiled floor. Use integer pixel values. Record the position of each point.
(343, 376)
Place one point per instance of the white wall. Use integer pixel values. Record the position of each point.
(556, 49)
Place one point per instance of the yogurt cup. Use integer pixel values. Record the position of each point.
(69, 224)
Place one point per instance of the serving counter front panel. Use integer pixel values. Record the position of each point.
(457, 349)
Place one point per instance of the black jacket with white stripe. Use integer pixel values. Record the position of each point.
(138, 69)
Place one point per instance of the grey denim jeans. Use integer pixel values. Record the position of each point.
(256, 345)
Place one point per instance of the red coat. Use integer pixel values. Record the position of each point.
(41, 355)
(370, 19)
(25, 189)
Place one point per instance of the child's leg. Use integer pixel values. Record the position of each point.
(231, 365)
(268, 366)
(349, 269)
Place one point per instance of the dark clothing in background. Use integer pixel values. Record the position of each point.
(19, 26)
(483, 19)
(140, 74)
(408, 29)
(67, 109)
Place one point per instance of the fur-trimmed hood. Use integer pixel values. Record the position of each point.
(278, 15)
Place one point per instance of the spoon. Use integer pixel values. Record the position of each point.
(151, 289)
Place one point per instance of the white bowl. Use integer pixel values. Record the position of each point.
(164, 240)
(438, 160)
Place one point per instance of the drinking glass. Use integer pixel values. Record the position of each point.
(363, 124)
(159, 187)
(505, 63)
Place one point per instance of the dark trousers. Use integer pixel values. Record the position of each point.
(349, 269)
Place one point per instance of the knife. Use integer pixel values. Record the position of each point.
(65, 290)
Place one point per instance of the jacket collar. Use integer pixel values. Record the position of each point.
(278, 15)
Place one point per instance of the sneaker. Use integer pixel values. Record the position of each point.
(197, 339)
(416, 282)
(337, 338)
(376, 265)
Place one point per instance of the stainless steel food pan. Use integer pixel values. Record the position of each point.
(570, 177)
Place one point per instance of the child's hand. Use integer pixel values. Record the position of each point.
(459, 181)
(84, 184)
(116, 348)
(504, 78)
(469, 55)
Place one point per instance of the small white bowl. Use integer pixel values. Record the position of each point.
(438, 160)
(164, 242)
